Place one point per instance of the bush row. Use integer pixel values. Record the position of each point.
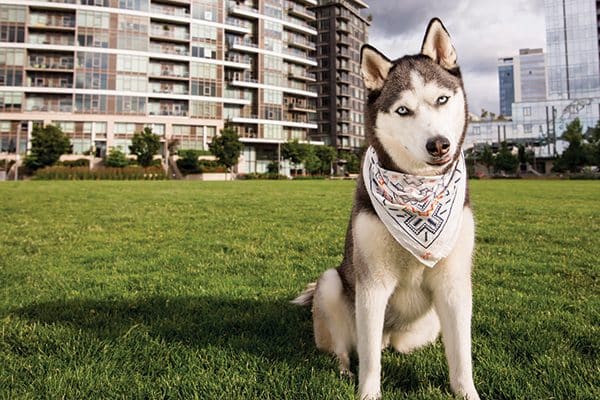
(265, 175)
(101, 173)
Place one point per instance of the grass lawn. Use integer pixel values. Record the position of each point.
(180, 290)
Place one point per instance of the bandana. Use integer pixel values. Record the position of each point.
(423, 213)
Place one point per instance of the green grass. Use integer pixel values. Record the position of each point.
(180, 290)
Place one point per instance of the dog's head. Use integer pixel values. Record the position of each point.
(416, 111)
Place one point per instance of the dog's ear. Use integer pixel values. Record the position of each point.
(374, 67)
(438, 46)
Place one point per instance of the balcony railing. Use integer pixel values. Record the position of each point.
(169, 33)
(169, 10)
(160, 48)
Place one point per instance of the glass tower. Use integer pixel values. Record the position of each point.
(572, 49)
(506, 84)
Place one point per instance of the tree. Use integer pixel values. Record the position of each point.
(145, 145)
(593, 138)
(327, 156)
(227, 147)
(487, 157)
(116, 159)
(505, 160)
(47, 145)
(352, 161)
(576, 155)
(294, 151)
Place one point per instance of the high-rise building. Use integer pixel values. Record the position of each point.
(572, 48)
(104, 69)
(530, 75)
(342, 29)
(506, 84)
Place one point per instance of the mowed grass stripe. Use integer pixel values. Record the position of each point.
(181, 290)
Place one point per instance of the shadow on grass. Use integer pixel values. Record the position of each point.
(274, 329)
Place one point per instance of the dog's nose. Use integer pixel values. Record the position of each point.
(437, 146)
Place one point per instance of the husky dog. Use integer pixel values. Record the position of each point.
(383, 294)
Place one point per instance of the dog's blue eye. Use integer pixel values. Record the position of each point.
(402, 110)
(442, 100)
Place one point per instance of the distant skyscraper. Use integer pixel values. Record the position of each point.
(572, 48)
(342, 29)
(506, 83)
(530, 75)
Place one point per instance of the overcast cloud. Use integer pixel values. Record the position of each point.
(482, 32)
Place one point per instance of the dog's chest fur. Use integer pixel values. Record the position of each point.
(391, 263)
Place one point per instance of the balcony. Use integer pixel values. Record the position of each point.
(302, 76)
(343, 77)
(239, 59)
(343, 66)
(301, 108)
(164, 48)
(169, 71)
(343, 52)
(343, 105)
(168, 108)
(296, 10)
(342, 27)
(242, 10)
(50, 63)
(49, 103)
(169, 88)
(43, 80)
(300, 42)
(52, 39)
(51, 21)
(169, 32)
(164, 9)
(238, 25)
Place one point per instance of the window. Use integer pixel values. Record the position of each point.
(526, 111)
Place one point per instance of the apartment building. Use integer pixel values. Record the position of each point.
(105, 69)
(342, 30)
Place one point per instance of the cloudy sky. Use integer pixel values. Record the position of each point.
(482, 31)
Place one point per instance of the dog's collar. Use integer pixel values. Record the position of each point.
(423, 213)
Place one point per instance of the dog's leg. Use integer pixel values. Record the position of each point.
(371, 301)
(451, 288)
(374, 286)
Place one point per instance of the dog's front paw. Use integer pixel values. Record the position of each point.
(467, 392)
(376, 396)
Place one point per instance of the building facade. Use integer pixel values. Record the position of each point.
(342, 30)
(104, 69)
(506, 85)
(572, 47)
(530, 75)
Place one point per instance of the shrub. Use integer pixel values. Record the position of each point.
(116, 159)
(188, 161)
(266, 175)
(80, 162)
(102, 173)
(208, 166)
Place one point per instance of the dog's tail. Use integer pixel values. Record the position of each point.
(305, 298)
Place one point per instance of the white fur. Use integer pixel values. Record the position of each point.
(397, 279)
(405, 137)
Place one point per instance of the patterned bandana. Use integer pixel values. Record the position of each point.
(423, 213)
